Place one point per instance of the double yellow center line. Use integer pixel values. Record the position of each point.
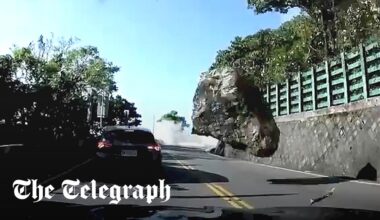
(222, 192)
(228, 196)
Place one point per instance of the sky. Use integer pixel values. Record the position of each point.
(161, 46)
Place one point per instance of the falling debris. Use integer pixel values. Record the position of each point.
(328, 194)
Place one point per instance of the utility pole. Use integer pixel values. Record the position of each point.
(89, 103)
(154, 123)
(126, 115)
(101, 110)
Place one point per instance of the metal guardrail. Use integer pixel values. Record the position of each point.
(348, 78)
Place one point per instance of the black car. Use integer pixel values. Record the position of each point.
(129, 144)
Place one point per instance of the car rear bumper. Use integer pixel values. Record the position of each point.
(146, 157)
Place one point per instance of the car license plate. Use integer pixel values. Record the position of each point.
(129, 153)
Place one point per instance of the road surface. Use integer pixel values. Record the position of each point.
(200, 179)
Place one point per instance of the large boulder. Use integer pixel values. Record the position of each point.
(232, 110)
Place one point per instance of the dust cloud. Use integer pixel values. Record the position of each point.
(170, 133)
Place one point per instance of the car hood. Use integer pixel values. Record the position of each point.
(70, 211)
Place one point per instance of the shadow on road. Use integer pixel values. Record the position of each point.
(177, 187)
(132, 173)
(119, 173)
(176, 164)
(31, 162)
(311, 181)
(190, 156)
(181, 175)
(179, 148)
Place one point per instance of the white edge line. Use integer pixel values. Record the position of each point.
(296, 171)
(183, 164)
(363, 182)
(286, 169)
(67, 171)
(11, 145)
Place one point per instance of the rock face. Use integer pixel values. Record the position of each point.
(228, 108)
(339, 141)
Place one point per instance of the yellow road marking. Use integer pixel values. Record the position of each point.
(232, 203)
(228, 193)
(221, 191)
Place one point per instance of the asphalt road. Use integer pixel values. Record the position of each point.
(200, 179)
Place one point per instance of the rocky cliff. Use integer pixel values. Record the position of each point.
(232, 110)
(339, 141)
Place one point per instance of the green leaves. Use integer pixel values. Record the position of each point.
(324, 29)
(55, 85)
(117, 112)
(263, 6)
(267, 55)
(341, 24)
(357, 23)
(86, 64)
(174, 117)
(48, 63)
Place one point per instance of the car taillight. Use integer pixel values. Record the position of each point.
(104, 144)
(155, 147)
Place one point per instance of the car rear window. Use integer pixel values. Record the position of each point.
(130, 136)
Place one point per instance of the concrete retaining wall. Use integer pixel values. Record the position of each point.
(339, 141)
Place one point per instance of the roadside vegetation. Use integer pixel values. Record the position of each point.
(322, 30)
(174, 117)
(49, 92)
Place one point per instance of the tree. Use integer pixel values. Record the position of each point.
(86, 64)
(123, 112)
(174, 117)
(358, 23)
(322, 11)
(328, 16)
(45, 63)
(11, 89)
(50, 81)
(272, 55)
